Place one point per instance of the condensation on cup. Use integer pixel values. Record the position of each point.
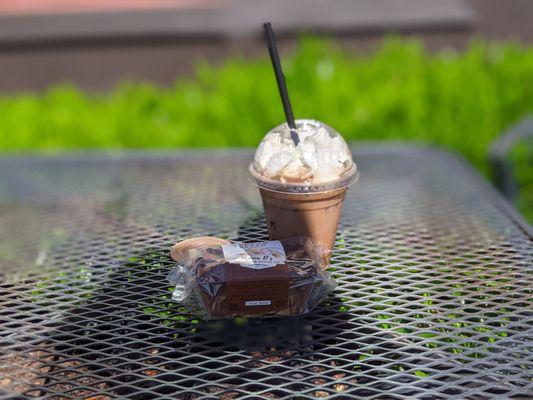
(303, 186)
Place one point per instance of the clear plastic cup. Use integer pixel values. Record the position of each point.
(303, 186)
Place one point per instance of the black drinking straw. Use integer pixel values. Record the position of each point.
(280, 79)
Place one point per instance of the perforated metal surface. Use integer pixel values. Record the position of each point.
(434, 297)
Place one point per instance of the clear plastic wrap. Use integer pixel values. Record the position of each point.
(282, 278)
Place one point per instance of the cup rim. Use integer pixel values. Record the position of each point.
(346, 179)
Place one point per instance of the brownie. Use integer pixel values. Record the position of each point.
(227, 289)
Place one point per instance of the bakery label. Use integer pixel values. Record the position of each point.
(256, 255)
(252, 291)
(250, 303)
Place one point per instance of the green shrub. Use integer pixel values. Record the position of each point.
(458, 100)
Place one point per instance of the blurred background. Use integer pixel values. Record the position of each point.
(118, 74)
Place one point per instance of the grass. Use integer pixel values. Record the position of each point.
(457, 100)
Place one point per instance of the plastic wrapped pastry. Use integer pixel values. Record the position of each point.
(215, 278)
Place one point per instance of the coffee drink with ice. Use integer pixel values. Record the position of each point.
(303, 185)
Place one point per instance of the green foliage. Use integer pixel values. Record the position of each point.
(458, 100)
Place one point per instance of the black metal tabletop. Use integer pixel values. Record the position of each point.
(434, 274)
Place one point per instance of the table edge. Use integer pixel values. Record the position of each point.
(394, 147)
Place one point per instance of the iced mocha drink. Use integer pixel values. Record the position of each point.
(303, 185)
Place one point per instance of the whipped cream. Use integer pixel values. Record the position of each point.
(321, 156)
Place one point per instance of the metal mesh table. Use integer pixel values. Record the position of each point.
(434, 273)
